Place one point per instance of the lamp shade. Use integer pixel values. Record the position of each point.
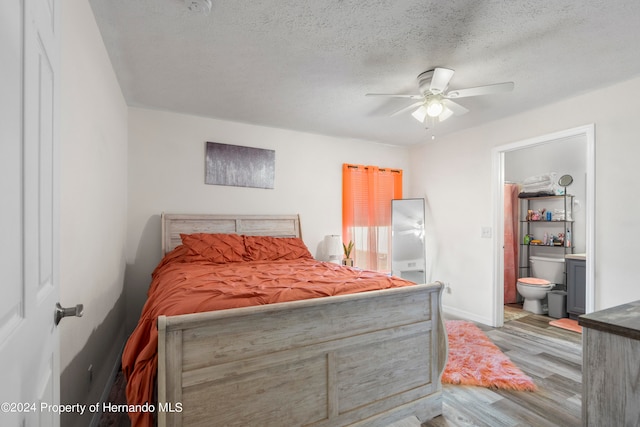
(333, 248)
(420, 114)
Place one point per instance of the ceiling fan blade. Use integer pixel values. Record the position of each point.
(480, 90)
(389, 95)
(407, 108)
(440, 80)
(454, 107)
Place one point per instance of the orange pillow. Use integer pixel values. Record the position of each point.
(266, 248)
(218, 248)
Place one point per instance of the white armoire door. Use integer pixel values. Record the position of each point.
(29, 347)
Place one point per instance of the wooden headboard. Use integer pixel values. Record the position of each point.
(251, 225)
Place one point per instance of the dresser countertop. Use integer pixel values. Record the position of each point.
(623, 320)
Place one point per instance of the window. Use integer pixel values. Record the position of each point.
(367, 192)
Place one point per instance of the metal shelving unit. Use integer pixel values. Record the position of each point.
(556, 229)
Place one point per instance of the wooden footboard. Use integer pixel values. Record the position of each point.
(364, 359)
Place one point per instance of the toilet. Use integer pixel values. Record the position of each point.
(546, 273)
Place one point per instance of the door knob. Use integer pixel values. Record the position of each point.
(61, 312)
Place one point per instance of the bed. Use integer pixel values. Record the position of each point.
(368, 358)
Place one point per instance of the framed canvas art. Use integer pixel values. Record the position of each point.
(239, 166)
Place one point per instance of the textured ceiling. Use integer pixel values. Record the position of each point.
(306, 65)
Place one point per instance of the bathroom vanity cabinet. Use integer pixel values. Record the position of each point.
(535, 227)
(575, 266)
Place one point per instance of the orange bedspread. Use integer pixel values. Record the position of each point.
(181, 287)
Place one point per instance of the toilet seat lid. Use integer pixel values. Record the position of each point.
(534, 281)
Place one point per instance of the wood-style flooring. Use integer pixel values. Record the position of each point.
(552, 357)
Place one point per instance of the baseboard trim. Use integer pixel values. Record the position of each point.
(95, 420)
(462, 314)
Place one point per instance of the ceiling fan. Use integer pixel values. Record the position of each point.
(434, 103)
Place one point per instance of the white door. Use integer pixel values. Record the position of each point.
(29, 366)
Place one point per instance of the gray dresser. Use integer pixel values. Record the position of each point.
(611, 366)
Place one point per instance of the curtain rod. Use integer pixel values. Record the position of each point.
(381, 169)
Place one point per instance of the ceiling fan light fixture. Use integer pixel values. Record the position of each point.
(434, 108)
(446, 113)
(434, 102)
(420, 114)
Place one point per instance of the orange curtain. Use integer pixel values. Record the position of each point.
(367, 192)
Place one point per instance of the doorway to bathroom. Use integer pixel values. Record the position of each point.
(567, 152)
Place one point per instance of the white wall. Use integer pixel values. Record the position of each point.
(166, 174)
(93, 206)
(454, 174)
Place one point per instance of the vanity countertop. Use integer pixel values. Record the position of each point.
(623, 320)
(576, 256)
